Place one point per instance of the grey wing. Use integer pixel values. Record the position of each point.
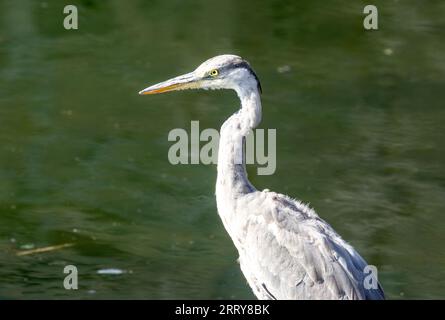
(290, 253)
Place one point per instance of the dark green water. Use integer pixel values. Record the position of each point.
(83, 159)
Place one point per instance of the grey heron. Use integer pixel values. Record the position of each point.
(285, 250)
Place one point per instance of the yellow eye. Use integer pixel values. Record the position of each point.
(214, 73)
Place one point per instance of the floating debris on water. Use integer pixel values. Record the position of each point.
(41, 250)
(111, 271)
(27, 246)
(283, 69)
(388, 51)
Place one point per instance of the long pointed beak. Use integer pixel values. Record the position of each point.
(186, 81)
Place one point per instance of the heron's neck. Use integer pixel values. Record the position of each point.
(232, 176)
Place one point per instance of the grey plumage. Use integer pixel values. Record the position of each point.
(286, 251)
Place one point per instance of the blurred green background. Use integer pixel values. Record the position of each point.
(83, 159)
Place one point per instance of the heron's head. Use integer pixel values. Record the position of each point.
(221, 72)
